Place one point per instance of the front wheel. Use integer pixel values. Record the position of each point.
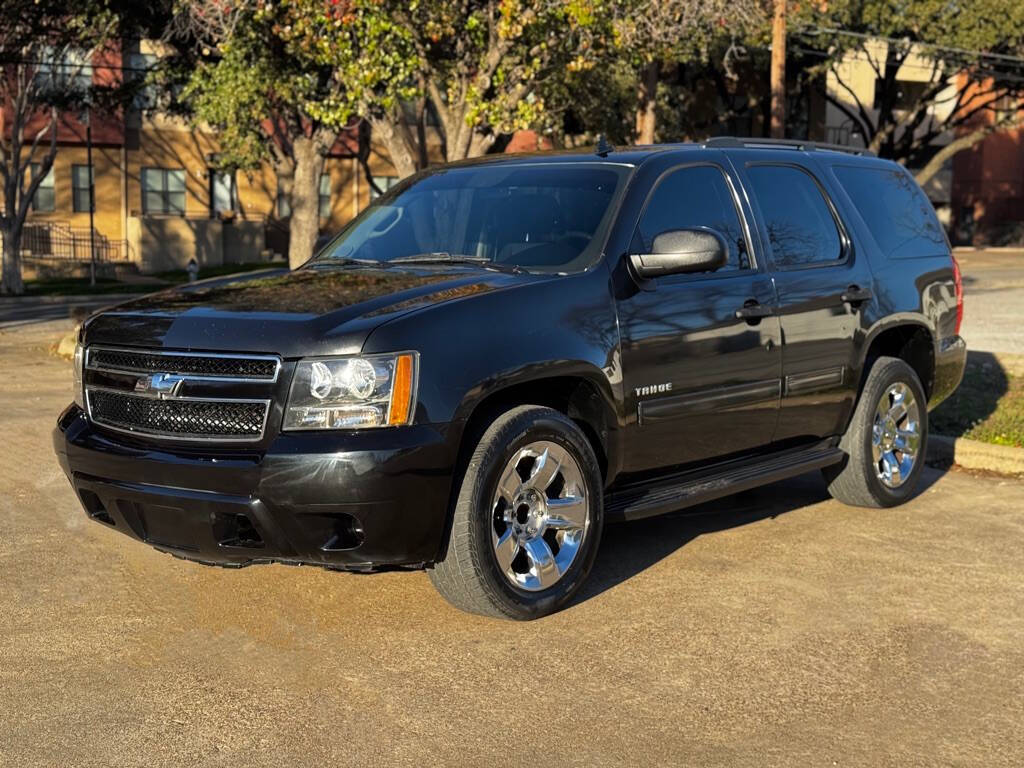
(886, 440)
(528, 518)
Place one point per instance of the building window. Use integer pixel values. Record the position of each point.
(223, 192)
(81, 188)
(384, 182)
(69, 72)
(43, 201)
(163, 191)
(907, 93)
(324, 199)
(142, 66)
(284, 205)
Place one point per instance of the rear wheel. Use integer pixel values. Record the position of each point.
(886, 440)
(528, 518)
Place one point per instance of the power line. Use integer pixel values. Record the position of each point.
(814, 31)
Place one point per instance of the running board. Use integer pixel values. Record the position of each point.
(658, 497)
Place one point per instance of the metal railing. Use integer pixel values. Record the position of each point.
(58, 240)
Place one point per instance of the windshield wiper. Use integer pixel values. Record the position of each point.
(443, 257)
(344, 260)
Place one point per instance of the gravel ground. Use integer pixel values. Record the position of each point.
(774, 628)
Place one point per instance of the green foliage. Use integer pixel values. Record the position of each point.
(291, 66)
(493, 61)
(974, 25)
(234, 94)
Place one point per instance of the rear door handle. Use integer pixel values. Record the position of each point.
(752, 310)
(855, 294)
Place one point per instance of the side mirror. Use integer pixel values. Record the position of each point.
(680, 251)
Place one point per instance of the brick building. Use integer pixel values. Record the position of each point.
(159, 202)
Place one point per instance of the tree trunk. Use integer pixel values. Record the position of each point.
(12, 284)
(778, 71)
(958, 144)
(401, 153)
(646, 96)
(304, 227)
(480, 144)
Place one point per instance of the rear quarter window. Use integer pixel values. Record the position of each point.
(900, 217)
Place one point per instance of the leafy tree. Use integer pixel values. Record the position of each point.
(654, 35)
(46, 51)
(971, 54)
(480, 67)
(280, 81)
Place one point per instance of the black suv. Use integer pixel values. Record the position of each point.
(499, 357)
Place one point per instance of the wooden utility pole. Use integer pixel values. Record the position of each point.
(778, 75)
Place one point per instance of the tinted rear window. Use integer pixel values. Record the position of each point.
(801, 229)
(900, 217)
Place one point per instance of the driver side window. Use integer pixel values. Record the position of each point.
(694, 197)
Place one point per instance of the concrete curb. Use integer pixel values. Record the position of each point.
(972, 454)
(1014, 250)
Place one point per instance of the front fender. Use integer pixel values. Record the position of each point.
(541, 328)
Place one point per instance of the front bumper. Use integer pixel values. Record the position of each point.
(354, 501)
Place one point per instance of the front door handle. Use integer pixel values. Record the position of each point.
(855, 294)
(752, 310)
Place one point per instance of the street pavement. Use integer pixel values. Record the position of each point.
(29, 310)
(993, 301)
(775, 628)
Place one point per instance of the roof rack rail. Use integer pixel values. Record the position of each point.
(733, 142)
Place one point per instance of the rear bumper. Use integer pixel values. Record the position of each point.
(363, 501)
(950, 361)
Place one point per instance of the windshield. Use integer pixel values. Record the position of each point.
(545, 218)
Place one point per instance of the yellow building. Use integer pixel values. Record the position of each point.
(159, 203)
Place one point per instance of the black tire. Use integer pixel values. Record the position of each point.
(469, 576)
(854, 481)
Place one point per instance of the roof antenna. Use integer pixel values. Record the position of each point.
(603, 147)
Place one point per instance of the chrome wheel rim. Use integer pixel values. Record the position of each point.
(896, 435)
(540, 514)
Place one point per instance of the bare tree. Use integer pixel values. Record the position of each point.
(964, 68)
(45, 51)
(654, 34)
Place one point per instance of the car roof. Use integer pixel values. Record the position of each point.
(636, 155)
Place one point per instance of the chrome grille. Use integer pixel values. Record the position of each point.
(219, 366)
(180, 395)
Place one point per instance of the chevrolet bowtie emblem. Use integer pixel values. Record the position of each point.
(162, 385)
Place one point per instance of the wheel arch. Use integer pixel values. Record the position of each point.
(571, 392)
(907, 339)
(574, 394)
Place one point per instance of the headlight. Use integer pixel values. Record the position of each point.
(79, 361)
(352, 392)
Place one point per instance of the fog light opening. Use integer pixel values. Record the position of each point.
(346, 533)
(94, 507)
(237, 530)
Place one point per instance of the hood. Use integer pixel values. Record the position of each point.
(312, 311)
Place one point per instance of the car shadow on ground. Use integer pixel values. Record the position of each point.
(984, 384)
(630, 548)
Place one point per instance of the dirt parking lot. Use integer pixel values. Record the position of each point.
(774, 628)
